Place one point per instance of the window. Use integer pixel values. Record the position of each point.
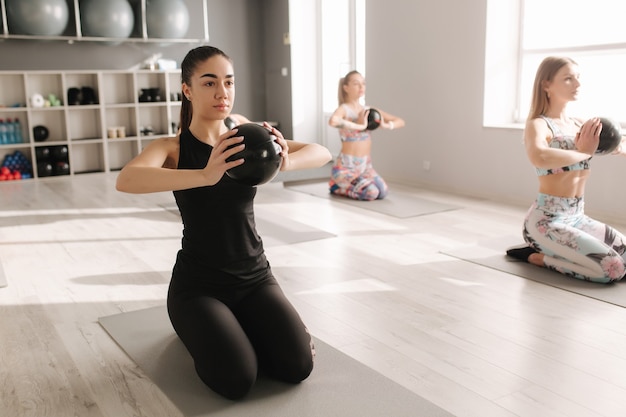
(343, 46)
(520, 34)
(592, 35)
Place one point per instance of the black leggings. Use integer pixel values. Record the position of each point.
(230, 343)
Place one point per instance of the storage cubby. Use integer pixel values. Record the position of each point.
(121, 152)
(52, 161)
(12, 93)
(18, 131)
(151, 87)
(53, 119)
(85, 86)
(174, 86)
(121, 122)
(153, 120)
(86, 158)
(84, 123)
(45, 86)
(174, 118)
(120, 88)
(100, 134)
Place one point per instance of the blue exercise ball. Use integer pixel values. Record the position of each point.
(107, 19)
(167, 19)
(37, 17)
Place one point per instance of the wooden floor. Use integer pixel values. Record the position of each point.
(475, 341)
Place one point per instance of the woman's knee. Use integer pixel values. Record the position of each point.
(614, 267)
(369, 193)
(296, 369)
(233, 384)
(383, 189)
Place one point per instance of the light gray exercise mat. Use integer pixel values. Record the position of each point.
(338, 386)
(398, 203)
(276, 230)
(492, 254)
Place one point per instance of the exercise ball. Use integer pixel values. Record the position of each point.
(610, 136)
(42, 154)
(230, 122)
(40, 133)
(44, 169)
(59, 153)
(373, 119)
(37, 17)
(60, 168)
(167, 19)
(262, 158)
(107, 19)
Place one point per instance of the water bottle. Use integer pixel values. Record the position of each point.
(10, 131)
(17, 131)
(3, 133)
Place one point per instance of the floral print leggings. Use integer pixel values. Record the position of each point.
(573, 243)
(355, 177)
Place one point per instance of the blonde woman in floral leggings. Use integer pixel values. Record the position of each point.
(558, 234)
(353, 175)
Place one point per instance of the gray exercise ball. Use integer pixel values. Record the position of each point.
(106, 19)
(37, 17)
(168, 19)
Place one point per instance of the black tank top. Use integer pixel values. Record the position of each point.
(219, 230)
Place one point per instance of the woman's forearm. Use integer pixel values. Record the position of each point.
(142, 179)
(310, 155)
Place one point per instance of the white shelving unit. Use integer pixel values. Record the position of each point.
(84, 128)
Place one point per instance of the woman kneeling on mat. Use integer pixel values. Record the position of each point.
(223, 301)
(558, 233)
(352, 174)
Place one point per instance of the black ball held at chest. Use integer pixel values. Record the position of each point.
(230, 122)
(373, 119)
(262, 158)
(610, 136)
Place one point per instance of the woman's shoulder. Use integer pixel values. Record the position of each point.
(340, 111)
(536, 122)
(168, 144)
(167, 141)
(537, 126)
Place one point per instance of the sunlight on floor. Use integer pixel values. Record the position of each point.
(360, 285)
(460, 283)
(67, 211)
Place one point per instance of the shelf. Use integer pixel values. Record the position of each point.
(102, 128)
(198, 26)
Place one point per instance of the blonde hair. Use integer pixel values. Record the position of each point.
(345, 80)
(545, 73)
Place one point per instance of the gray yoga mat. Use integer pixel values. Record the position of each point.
(398, 203)
(276, 230)
(492, 254)
(338, 386)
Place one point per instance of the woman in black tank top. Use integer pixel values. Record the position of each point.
(223, 301)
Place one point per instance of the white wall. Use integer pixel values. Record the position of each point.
(425, 61)
(305, 67)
